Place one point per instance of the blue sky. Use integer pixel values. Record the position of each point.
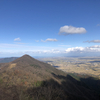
(49, 27)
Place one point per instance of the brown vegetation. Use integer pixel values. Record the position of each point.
(30, 79)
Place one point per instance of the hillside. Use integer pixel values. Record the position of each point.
(28, 69)
(29, 79)
(6, 60)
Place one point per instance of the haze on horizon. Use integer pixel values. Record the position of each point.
(49, 28)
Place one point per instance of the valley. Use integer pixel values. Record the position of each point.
(80, 65)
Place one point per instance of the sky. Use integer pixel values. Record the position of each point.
(49, 28)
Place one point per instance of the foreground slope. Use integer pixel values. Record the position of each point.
(29, 79)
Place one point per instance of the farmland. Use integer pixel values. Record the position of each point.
(80, 65)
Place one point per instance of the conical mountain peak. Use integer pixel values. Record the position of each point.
(26, 55)
(25, 58)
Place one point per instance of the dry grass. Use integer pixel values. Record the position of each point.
(12, 65)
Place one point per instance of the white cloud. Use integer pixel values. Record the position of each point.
(74, 49)
(95, 46)
(49, 40)
(20, 49)
(65, 30)
(83, 51)
(17, 39)
(93, 41)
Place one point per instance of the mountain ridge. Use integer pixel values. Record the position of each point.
(6, 60)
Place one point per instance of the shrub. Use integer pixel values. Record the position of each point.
(38, 83)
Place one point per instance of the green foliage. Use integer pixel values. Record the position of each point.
(22, 80)
(75, 76)
(38, 83)
(31, 64)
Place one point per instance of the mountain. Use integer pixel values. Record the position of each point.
(25, 67)
(29, 79)
(6, 60)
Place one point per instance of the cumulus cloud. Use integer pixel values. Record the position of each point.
(17, 39)
(65, 30)
(49, 40)
(83, 51)
(94, 49)
(93, 41)
(73, 49)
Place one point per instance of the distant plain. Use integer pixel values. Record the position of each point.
(80, 65)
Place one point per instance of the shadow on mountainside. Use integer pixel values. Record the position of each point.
(80, 89)
(68, 89)
(92, 83)
(56, 66)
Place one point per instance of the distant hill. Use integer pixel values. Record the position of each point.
(6, 60)
(29, 79)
